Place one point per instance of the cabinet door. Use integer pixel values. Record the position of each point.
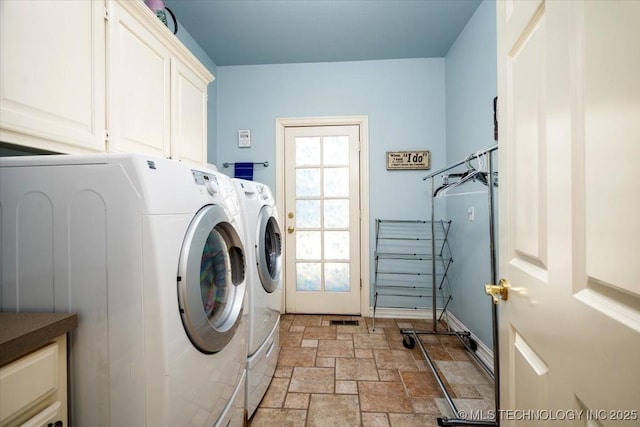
(33, 389)
(189, 113)
(52, 72)
(139, 85)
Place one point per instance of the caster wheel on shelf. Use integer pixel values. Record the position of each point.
(408, 342)
(473, 344)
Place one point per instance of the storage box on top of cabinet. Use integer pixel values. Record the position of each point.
(112, 78)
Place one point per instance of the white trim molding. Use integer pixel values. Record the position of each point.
(483, 352)
(363, 123)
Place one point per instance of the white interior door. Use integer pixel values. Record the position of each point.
(569, 96)
(322, 219)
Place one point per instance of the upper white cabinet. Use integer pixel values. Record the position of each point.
(52, 71)
(140, 78)
(189, 114)
(158, 98)
(112, 78)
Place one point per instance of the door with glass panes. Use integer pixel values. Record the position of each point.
(322, 219)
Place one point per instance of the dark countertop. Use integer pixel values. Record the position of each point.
(21, 333)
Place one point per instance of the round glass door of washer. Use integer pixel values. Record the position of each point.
(211, 279)
(269, 249)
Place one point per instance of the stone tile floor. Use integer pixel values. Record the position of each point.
(342, 375)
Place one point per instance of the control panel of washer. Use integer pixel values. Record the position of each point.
(210, 182)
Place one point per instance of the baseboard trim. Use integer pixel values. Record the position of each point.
(483, 352)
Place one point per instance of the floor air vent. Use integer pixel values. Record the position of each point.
(345, 322)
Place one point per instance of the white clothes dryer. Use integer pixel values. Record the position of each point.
(149, 253)
(264, 258)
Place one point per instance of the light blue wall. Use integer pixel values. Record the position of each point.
(212, 90)
(411, 104)
(404, 100)
(470, 88)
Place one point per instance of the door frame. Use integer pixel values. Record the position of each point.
(363, 124)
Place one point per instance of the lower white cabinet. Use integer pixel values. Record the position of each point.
(33, 389)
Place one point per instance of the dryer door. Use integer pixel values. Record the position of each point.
(269, 249)
(211, 279)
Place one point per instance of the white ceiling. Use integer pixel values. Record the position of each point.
(245, 32)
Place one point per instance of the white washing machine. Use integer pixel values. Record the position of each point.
(149, 253)
(264, 258)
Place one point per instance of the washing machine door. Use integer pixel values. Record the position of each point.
(211, 279)
(269, 249)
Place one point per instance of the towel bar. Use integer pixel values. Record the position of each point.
(265, 164)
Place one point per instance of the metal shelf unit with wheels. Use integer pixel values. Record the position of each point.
(412, 259)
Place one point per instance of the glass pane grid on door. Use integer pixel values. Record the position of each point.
(322, 214)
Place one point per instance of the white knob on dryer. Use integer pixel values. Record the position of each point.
(212, 187)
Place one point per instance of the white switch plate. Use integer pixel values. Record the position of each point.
(471, 213)
(244, 138)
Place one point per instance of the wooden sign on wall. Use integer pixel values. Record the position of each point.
(408, 160)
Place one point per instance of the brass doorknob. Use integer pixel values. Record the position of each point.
(500, 290)
(290, 229)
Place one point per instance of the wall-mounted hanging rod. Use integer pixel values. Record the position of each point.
(265, 164)
(462, 162)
